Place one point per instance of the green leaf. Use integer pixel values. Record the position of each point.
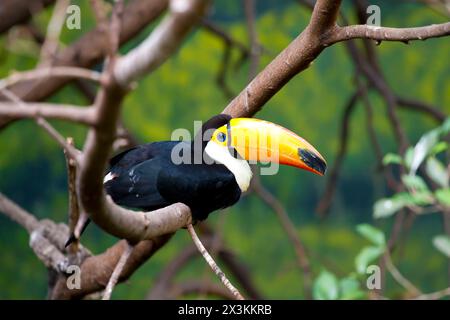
(442, 243)
(387, 206)
(349, 289)
(443, 196)
(392, 158)
(437, 172)
(366, 256)
(415, 183)
(326, 286)
(372, 234)
(409, 157)
(422, 148)
(441, 146)
(421, 198)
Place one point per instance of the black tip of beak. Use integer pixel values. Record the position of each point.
(313, 161)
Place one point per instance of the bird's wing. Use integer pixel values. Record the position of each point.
(132, 180)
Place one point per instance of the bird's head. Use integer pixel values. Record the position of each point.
(262, 141)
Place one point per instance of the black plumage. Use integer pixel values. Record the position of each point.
(146, 178)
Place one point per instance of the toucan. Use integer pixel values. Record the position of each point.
(208, 173)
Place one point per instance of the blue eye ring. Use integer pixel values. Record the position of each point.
(221, 137)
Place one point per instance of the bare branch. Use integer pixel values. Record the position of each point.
(327, 197)
(48, 110)
(74, 153)
(389, 34)
(239, 271)
(96, 270)
(54, 27)
(50, 72)
(419, 106)
(14, 12)
(70, 149)
(255, 48)
(117, 271)
(162, 42)
(213, 264)
(18, 214)
(399, 277)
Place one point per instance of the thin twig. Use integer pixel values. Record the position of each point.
(117, 271)
(255, 48)
(74, 153)
(326, 200)
(405, 283)
(47, 72)
(213, 264)
(54, 27)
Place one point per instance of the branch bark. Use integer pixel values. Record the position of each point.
(14, 12)
(48, 110)
(389, 34)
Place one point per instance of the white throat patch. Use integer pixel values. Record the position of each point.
(240, 168)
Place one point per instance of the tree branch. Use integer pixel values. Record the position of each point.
(50, 72)
(162, 42)
(14, 12)
(117, 271)
(17, 214)
(213, 264)
(389, 34)
(47, 110)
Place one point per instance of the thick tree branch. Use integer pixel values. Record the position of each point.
(97, 270)
(13, 12)
(162, 42)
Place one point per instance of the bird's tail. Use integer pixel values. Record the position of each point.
(76, 234)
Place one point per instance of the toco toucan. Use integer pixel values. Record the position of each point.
(208, 173)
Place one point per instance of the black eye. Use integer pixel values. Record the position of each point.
(221, 137)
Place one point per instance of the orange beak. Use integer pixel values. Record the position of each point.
(263, 141)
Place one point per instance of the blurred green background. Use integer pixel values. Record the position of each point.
(32, 166)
